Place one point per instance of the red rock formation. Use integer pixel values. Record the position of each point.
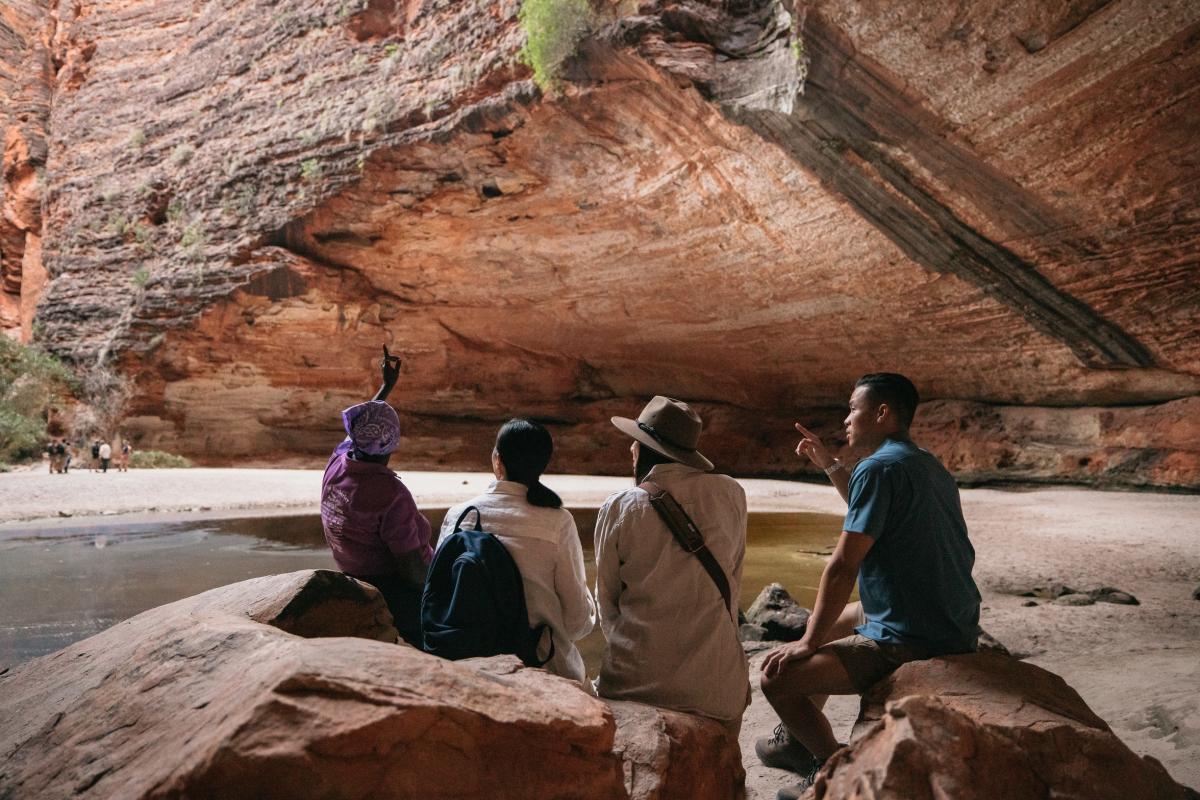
(998, 201)
(24, 109)
(986, 726)
(288, 685)
(668, 754)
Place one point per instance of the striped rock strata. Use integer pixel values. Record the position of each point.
(745, 205)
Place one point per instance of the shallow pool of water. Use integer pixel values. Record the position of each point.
(63, 583)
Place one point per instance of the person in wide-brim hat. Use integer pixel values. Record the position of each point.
(658, 596)
(669, 427)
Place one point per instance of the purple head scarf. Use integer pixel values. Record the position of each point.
(373, 427)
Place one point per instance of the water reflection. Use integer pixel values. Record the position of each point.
(60, 585)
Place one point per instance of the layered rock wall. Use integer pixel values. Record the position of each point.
(25, 94)
(745, 206)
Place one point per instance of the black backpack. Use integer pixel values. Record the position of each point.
(474, 600)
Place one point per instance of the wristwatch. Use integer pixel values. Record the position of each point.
(834, 467)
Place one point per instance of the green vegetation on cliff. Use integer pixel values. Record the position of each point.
(553, 29)
(33, 386)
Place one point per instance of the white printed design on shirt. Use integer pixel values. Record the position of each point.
(332, 506)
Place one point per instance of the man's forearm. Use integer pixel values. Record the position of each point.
(840, 478)
(836, 584)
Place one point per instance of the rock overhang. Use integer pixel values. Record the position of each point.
(667, 224)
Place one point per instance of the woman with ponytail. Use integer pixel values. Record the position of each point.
(540, 535)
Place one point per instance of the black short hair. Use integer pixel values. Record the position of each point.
(895, 390)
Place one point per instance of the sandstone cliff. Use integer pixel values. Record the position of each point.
(745, 205)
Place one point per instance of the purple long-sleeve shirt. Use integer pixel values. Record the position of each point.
(369, 516)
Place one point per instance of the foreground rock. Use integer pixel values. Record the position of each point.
(986, 726)
(289, 685)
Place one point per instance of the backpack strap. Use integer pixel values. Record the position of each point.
(688, 535)
(478, 518)
(532, 659)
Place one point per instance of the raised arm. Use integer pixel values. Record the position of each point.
(812, 447)
(390, 369)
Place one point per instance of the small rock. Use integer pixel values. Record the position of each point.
(1107, 594)
(752, 633)
(1051, 592)
(68, 513)
(774, 610)
(990, 644)
(1032, 40)
(1075, 599)
(1030, 603)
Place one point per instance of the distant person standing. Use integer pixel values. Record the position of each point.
(370, 519)
(105, 453)
(123, 457)
(57, 452)
(95, 455)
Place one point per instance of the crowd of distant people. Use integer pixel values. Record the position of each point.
(506, 572)
(62, 454)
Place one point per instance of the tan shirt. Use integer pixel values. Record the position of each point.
(545, 545)
(671, 640)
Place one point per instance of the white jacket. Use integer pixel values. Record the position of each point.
(545, 545)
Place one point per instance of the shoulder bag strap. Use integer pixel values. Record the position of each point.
(688, 535)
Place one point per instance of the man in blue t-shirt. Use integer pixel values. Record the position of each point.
(905, 541)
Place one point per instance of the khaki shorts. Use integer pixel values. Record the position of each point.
(867, 661)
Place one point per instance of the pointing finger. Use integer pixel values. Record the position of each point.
(809, 434)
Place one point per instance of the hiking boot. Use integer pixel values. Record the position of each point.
(782, 751)
(797, 790)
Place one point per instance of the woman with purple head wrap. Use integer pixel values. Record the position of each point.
(370, 519)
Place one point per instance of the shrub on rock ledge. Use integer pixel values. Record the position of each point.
(553, 28)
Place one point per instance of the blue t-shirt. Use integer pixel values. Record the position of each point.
(915, 582)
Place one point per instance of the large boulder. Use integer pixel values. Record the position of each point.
(292, 685)
(986, 726)
(668, 754)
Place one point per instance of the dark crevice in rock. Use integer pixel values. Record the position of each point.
(849, 114)
(347, 238)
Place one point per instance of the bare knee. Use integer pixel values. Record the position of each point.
(785, 685)
(771, 686)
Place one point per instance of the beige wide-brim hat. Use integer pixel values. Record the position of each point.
(669, 427)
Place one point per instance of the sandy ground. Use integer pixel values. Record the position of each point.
(1138, 667)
